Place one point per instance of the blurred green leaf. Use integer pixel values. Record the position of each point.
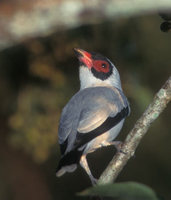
(34, 124)
(122, 191)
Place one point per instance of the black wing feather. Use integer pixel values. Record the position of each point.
(110, 122)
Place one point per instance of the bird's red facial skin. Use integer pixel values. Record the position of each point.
(101, 66)
(86, 61)
(86, 54)
(84, 57)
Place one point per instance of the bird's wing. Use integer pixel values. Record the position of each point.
(95, 115)
(106, 103)
(88, 110)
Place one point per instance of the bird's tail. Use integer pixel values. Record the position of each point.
(69, 162)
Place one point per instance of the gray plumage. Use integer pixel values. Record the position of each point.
(88, 109)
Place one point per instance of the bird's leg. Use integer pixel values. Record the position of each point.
(84, 164)
(117, 145)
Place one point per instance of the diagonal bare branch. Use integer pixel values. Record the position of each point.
(159, 103)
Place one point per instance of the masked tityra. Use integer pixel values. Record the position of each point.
(94, 116)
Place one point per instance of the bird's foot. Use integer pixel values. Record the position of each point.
(118, 146)
(93, 180)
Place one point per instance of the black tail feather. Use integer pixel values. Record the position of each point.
(72, 157)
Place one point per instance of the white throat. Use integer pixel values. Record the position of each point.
(87, 79)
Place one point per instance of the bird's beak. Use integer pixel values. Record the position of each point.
(84, 57)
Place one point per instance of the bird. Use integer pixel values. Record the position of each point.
(94, 116)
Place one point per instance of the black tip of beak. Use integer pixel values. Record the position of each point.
(77, 52)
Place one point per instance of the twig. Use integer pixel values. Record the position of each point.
(134, 137)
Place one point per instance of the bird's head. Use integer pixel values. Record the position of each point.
(96, 70)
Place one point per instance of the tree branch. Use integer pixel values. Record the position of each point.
(160, 101)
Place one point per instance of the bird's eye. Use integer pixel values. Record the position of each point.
(104, 65)
(101, 66)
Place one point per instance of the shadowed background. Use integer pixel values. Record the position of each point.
(39, 76)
